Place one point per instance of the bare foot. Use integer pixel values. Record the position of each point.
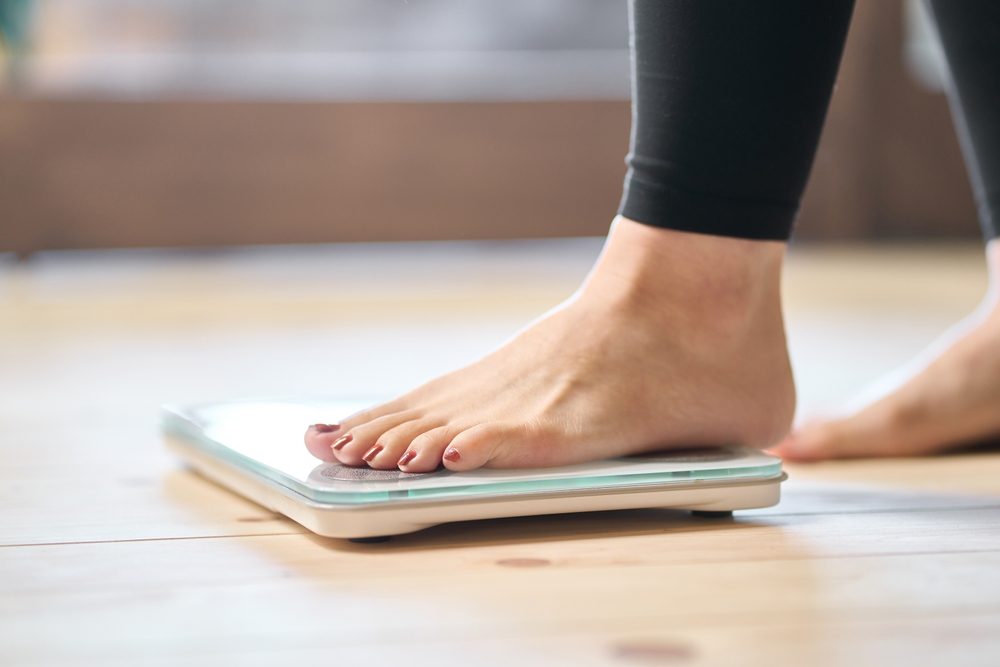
(947, 397)
(675, 339)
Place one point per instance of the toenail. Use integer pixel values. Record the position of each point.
(451, 454)
(326, 428)
(341, 442)
(372, 453)
(407, 457)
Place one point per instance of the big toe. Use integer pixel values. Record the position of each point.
(500, 446)
(800, 447)
(821, 440)
(319, 438)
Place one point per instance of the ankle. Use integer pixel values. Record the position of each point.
(712, 281)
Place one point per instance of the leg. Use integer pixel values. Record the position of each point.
(950, 395)
(676, 338)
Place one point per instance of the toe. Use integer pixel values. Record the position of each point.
(791, 449)
(352, 447)
(385, 454)
(490, 445)
(816, 441)
(320, 437)
(424, 452)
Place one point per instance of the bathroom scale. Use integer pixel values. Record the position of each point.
(255, 448)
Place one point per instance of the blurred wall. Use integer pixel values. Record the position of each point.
(77, 174)
(889, 164)
(88, 170)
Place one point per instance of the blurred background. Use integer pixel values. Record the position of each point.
(188, 189)
(145, 123)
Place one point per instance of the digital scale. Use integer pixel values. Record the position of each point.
(255, 448)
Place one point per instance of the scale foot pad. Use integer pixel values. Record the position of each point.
(370, 540)
(703, 514)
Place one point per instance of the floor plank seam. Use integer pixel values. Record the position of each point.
(146, 539)
(390, 551)
(914, 510)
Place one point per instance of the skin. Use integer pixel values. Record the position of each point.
(946, 398)
(675, 339)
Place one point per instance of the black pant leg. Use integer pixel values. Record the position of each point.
(970, 34)
(728, 101)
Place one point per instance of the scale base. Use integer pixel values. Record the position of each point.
(368, 523)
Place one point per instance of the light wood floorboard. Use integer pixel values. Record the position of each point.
(111, 553)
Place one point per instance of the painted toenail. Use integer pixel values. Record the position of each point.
(407, 457)
(372, 453)
(452, 455)
(341, 442)
(326, 428)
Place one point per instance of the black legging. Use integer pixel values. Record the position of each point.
(729, 98)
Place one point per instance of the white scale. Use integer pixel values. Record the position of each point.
(255, 448)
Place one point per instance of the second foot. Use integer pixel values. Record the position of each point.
(951, 398)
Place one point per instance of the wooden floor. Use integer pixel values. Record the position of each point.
(114, 554)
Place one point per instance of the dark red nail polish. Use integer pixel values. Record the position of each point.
(372, 453)
(341, 442)
(451, 454)
(326, 428)
(407, 457)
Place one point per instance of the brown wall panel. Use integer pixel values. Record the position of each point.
(112, 174)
